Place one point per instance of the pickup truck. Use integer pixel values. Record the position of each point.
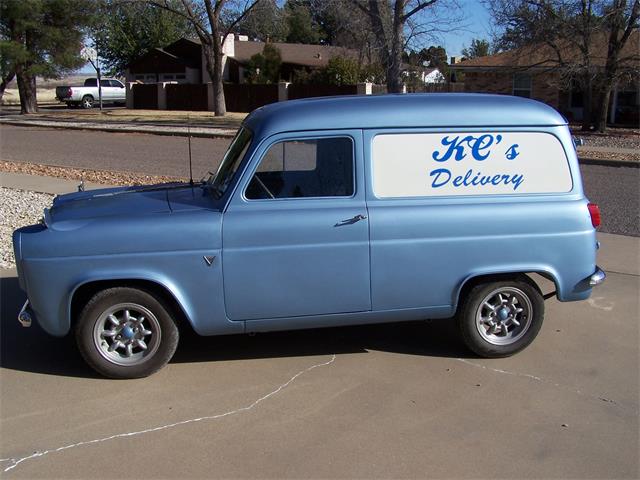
(113, 91)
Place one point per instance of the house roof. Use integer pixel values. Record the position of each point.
(295, 54)
(460, 110)
(292, 53)
(544, 56)
(157, 60)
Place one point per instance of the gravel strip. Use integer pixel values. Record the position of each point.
(617, 138)
(629, 157)
(97, 176)
(17, 209)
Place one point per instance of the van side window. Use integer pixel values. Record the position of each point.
(304, 168)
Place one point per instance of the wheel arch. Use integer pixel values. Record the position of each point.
(87, 289)
(495, 276)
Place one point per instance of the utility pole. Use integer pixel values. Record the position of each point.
(91, 55)
(97, 67)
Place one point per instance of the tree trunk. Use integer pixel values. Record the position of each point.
(219, 102)
(587, 98)
(213, 57)
(603, 110)
(5, 81)
(394, 76)
(27, 89)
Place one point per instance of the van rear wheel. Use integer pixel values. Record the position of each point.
(126, 333)
(498, 319)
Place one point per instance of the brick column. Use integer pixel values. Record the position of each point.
(162, 95)
(283, 91)
(129, 94)
(365, 88)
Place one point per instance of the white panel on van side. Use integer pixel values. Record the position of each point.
(480, 163)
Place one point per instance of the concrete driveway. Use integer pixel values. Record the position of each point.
(402, 400)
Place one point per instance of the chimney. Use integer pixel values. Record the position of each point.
(228, 48)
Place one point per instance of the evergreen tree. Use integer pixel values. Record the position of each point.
(41, 38)
(301, 27)
(126, 31)
(478, 48)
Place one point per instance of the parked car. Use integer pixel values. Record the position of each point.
(113, 91)
(326, 212)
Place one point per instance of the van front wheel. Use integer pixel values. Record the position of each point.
(498, 319)
(126, 333)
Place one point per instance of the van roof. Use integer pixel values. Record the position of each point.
(401, 111)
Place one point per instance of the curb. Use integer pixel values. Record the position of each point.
(101, 128)
(609, 163)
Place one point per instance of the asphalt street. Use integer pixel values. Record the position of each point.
(387, 401)
(127, 152)
(615, 189)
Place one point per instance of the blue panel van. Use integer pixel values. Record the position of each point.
(326, 212)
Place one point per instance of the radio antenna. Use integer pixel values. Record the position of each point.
(189, 140)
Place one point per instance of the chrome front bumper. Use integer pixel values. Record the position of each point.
(597, 278)
(25, 317)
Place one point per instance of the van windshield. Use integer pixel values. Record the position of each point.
(230, 163)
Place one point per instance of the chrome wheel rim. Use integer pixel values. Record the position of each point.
(504, 316)
(127, 334)
(87, 103)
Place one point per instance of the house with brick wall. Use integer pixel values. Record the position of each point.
(536, 72)
(183, 61)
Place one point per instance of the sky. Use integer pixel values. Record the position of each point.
(478, 25)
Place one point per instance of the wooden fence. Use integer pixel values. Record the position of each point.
(193, 97)
(437, 88)
(145, 96)
(307, 91)
(246, 98)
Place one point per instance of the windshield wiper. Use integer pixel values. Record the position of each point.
(149, 188)
(211, 174)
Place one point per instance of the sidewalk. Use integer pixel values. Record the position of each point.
(36, 183)
(120, 127)
(201, 130)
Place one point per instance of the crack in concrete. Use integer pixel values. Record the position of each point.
(549, 382)
(37, 454)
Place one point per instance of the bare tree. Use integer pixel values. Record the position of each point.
(570, 31)
(397, 23)
(621, 19)
(206, 17)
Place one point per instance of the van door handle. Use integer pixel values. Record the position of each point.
(351, 221)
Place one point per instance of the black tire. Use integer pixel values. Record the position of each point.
(87, 102)
(131, 345)
(503, 337)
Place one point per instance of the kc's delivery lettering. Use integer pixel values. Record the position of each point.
(480, 149)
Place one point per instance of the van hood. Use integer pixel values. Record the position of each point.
(129, 202)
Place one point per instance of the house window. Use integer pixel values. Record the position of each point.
(522, 85)
(181, 77)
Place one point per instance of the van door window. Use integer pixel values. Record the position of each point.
(305, 168)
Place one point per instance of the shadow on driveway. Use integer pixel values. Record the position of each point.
(33, 350)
